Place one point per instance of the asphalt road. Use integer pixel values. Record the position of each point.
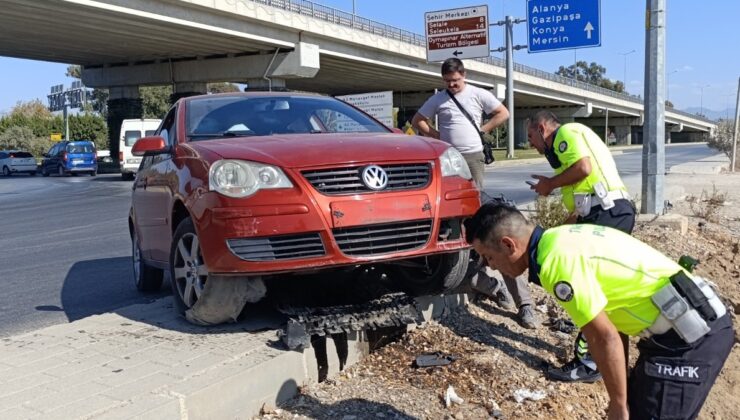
(510, 180)
(65, 250)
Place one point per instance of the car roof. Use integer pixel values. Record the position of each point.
(256, 94)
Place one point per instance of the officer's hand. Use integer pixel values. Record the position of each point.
(544, 185)
(618, 412)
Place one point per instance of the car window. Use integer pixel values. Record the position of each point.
(80, 148)
(53, 151)
(227, 116)
(167, 130)
(130, 137)
(21, 155)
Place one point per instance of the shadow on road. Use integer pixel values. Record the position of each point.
(96, 286)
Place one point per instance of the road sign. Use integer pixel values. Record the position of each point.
(56, 136)
(461, 33)
(563, 24)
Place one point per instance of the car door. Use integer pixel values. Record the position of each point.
(152, 196)
(49, 161)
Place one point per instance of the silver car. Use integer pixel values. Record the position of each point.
(17, 161)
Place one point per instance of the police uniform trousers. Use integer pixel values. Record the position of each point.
(671, 379)
(621, 216)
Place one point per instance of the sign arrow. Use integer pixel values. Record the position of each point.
(588, 29)
(456, 53)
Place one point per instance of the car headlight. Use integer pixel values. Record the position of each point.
(239, 178)
(453, 164)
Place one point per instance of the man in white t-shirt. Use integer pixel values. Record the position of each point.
(455, 128)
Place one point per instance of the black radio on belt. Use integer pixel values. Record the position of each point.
(689, 290)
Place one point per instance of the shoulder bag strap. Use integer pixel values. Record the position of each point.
(460, 107)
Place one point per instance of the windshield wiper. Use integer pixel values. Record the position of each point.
(224, 134)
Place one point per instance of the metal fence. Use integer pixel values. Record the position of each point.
(339, 17)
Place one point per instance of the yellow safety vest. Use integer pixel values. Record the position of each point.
(575, 141)
(590, 268)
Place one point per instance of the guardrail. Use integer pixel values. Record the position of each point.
(339, 17)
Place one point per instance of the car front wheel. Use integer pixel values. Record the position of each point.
(60, 170)
(432, 274)
(204, 298)
(147, 278)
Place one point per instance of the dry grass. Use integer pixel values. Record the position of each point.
(549, 212)
(707, 205)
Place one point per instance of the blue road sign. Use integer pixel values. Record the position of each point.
(563, 24)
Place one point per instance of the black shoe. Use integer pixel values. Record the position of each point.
(573, 371)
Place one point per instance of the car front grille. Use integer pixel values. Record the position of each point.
(347, 180)
(383, 238)
(274, 248)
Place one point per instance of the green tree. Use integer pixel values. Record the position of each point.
(155, 100)
(89, 126)
(33, 115)
(722, 138)
(590, 73)
(23, 138)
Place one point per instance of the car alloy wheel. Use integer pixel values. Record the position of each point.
(189, 271)
(6, 171)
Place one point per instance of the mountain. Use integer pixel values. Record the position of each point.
(712, 114)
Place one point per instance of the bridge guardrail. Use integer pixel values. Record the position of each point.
(340, 17)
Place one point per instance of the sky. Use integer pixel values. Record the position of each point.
(702, 63)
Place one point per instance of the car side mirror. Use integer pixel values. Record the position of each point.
(397, 130)
(152, 145)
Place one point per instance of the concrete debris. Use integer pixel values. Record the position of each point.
(525, 394)
(452, 397)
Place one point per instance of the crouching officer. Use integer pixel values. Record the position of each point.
(593, 192)
(611, 283)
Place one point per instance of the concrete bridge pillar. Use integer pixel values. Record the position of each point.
(185, 89)
(624, 134)
(123, 103)
(520, 132)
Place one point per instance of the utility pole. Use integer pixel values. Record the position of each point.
(735, 131)
(510, 47)
(653, 148)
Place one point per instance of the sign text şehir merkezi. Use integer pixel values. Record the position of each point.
(563, 24)
(460, 33)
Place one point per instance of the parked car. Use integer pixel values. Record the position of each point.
(132, 130)
(70, 157)
(17, 161)
(234, 188)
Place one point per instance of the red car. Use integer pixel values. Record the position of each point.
(234, 188)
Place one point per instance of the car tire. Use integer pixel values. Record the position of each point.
(43, 171)
(127, 176)
(203, 298)
(94, 173)
(60, 171)
(432, 274)
(146, 277)
(6, 171)
(32, 173)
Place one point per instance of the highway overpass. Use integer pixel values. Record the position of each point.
(123, 44)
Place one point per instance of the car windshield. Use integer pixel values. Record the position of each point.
(228, 116)
(80, 148)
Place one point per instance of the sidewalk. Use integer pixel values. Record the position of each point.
(144, 362)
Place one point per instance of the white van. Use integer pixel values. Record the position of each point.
(132, 130)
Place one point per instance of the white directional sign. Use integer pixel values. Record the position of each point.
(378, 104)
(461, 33)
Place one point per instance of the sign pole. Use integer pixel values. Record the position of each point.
(66, 121)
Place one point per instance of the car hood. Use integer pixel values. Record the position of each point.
(307, 150)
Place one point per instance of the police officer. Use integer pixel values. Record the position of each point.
(611, 283)
(592, 192)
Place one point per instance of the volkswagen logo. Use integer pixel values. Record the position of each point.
(374, 177)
